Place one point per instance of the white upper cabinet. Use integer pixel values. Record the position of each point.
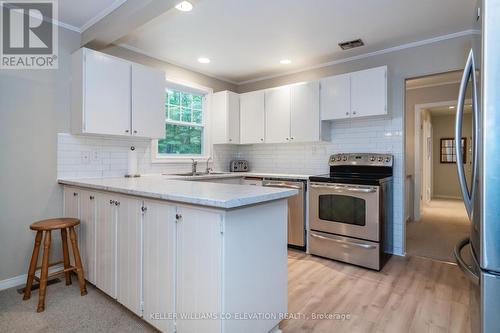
(148, 102)
(109, 94)
(277, 115)
(225, 117)
(369, 92)
(252, 117)
(357, 94)
(335, 97)
(304, 112)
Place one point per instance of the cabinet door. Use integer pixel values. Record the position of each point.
(304, 114)
(107, 94)
(129, 254)
(278, 115)
(87, 234)
(369, 92)
(252, 117)
(335, 97)
(233, 114)
(159, 226)
(71, 208)
(148, 102)
(199, 265)
(106, 244)
(218, 118)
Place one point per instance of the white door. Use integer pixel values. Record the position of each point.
(369, 92)
(252, 117)
(304, 114)
(106, 244)
(129, 253)
(233, 114)
(87, 233)
(335, 97)
(148, 102)
(278, 115)
(199, 265)
(159, 226)
(107, 94)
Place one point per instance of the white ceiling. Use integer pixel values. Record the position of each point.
(446, 111)
(80, 14)
(246, 39)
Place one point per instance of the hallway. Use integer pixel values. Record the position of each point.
(442, 224)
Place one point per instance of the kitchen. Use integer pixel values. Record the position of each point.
(276, 181)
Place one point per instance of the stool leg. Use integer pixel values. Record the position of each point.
(44, 272)
(64, 237)
(32, 269)
(78, 261)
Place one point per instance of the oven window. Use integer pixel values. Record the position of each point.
(343, 209)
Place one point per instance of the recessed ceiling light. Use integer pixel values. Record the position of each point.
(285, 61)
(203, 60)
(184, 6)
(451, 107)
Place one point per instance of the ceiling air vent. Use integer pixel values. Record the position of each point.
(351, 44)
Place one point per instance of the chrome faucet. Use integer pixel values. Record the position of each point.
(193, 166)
(208, 169)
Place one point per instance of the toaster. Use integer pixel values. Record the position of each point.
(239, 166)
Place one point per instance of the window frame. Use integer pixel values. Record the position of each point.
(206, 148)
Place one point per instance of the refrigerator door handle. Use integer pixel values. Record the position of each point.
(468, 271)
(469, 71)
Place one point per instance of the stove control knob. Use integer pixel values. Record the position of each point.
(380, 159)
(338, 158)
(344, 158)
(387, 159)
(372, 158)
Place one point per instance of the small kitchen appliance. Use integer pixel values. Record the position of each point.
(239, 166)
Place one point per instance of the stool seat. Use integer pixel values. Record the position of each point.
(54, 224)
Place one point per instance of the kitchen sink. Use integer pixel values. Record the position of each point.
(190, 174)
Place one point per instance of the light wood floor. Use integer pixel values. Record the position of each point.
(411, 294)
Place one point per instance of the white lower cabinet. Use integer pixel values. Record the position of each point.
(106, 244)
(198, 269)
(129, 255)
(87, 233)
(159, 226)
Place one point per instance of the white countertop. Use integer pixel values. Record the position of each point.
(219, 175)
(173, 188)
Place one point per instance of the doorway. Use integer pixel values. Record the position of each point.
(436, 215)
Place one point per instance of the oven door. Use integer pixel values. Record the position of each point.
(347, 210)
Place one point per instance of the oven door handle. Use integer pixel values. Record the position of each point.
(281, 185)
(350, 189)
(364, 246)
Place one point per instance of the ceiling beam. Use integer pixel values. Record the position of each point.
(123, 20)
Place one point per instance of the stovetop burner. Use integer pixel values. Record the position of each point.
(360, 169)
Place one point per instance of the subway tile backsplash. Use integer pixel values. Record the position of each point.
(88, 157)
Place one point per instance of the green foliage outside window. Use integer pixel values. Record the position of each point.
(183, 127)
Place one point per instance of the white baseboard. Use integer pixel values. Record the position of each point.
(21, 279)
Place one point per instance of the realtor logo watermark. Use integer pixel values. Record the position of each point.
(28, 38)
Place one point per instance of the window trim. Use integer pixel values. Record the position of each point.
(206, 137)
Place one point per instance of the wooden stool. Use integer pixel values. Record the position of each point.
(47, 226)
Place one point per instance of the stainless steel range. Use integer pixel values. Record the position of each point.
(349, 209)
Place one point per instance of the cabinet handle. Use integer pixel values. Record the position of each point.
(230, 140)
(144, 209)
(178, 216)
(126, 131)
(91, 197)
(111, 202)
(287, 139)
(117, 203)
(292, 138)
(347, 113)
(354, 112)
(75, 194)
(261, 139)
(135, 132)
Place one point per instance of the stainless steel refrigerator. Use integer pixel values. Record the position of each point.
(482, 197)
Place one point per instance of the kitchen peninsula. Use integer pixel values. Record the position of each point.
(175, 251)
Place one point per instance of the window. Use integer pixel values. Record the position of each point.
(184, 124)
(447, 153)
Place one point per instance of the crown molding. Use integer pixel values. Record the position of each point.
(103, 13)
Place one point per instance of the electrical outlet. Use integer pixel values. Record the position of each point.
(95, 156)
(85, 157)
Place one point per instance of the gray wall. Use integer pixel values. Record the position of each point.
(436, 94)
(34, 108)
(445, 179)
